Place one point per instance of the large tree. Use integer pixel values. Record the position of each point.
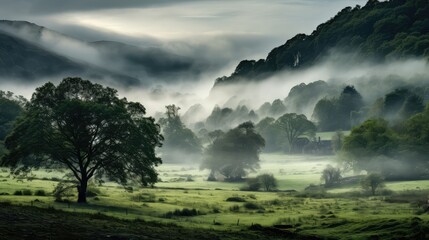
(234, 152)
(294, 126)
(86, 128)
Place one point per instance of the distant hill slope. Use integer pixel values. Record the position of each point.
(379, 30)
(149, 61)
(29, 52)
(25, 57)
(20, 59)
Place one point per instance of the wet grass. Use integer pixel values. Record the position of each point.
(346, 213)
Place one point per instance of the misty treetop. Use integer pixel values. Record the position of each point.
(398, 151)
(303, 97)
(398, 105)
(225, 118)
(334, 114)
(234, 153)
(290, 132)
(181, 144)
(86, 128)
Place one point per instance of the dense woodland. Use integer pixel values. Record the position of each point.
(378, 31)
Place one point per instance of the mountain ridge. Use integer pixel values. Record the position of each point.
(379, 30)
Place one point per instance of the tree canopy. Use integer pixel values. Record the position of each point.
(10, 108)
(235, 152)
(372, 182)
(337, 113)
(397, 151)
(178, 138)
(294, 126)
(86, 128)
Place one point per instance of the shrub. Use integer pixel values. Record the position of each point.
(182, 213)
(252, 206)
(275, 202)
(265, 181)
(40, 193)
(331, 175)
(235, 199)
(18, 193)
(372, 182)
(252, 184)
(27, 192)
(144, 197)
(268, 182)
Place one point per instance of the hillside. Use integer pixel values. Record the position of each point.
(377, 31)
(27, 61)
(19, 59)
(29, 52)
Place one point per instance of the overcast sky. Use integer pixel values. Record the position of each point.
(249, 27)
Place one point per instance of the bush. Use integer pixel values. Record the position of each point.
(40, 193)
(27, 192)
(144, 197)
(372, 182)
(252, 184)
(182, 213)
(235, 199)
(252, 206)
(265, 181)
(275, 202)
(18, 193)
(331, 175)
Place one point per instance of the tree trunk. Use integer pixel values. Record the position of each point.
(82, 191)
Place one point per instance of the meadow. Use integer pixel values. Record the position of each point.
(186, 199)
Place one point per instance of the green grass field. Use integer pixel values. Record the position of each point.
(334, 215)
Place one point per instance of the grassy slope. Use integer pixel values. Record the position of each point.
(343, 218)
(18, 222)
